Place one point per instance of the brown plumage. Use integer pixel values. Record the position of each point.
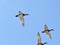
(21, 16)
(39, 40)
(47, 31)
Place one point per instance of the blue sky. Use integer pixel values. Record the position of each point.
(40, 12)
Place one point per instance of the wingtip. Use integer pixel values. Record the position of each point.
(52, 29)
(16, 16)
(43, 31)
(45, 42)
(27, 14)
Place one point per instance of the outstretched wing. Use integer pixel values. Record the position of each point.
(45, 27)
(22, 20)
(46, 30)
(39, 38)
(25, 14)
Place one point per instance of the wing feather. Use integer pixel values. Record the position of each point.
(39, 38)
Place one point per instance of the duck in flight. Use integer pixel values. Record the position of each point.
(21, 16)
(39, 40)
(47, 31)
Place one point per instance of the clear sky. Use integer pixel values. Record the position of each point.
(40, 12)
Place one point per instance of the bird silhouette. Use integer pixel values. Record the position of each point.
(47, 31)
(39, 40)
(21, 16)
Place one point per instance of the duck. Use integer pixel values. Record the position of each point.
(21, 16)
(39, 40)
(47, 31)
